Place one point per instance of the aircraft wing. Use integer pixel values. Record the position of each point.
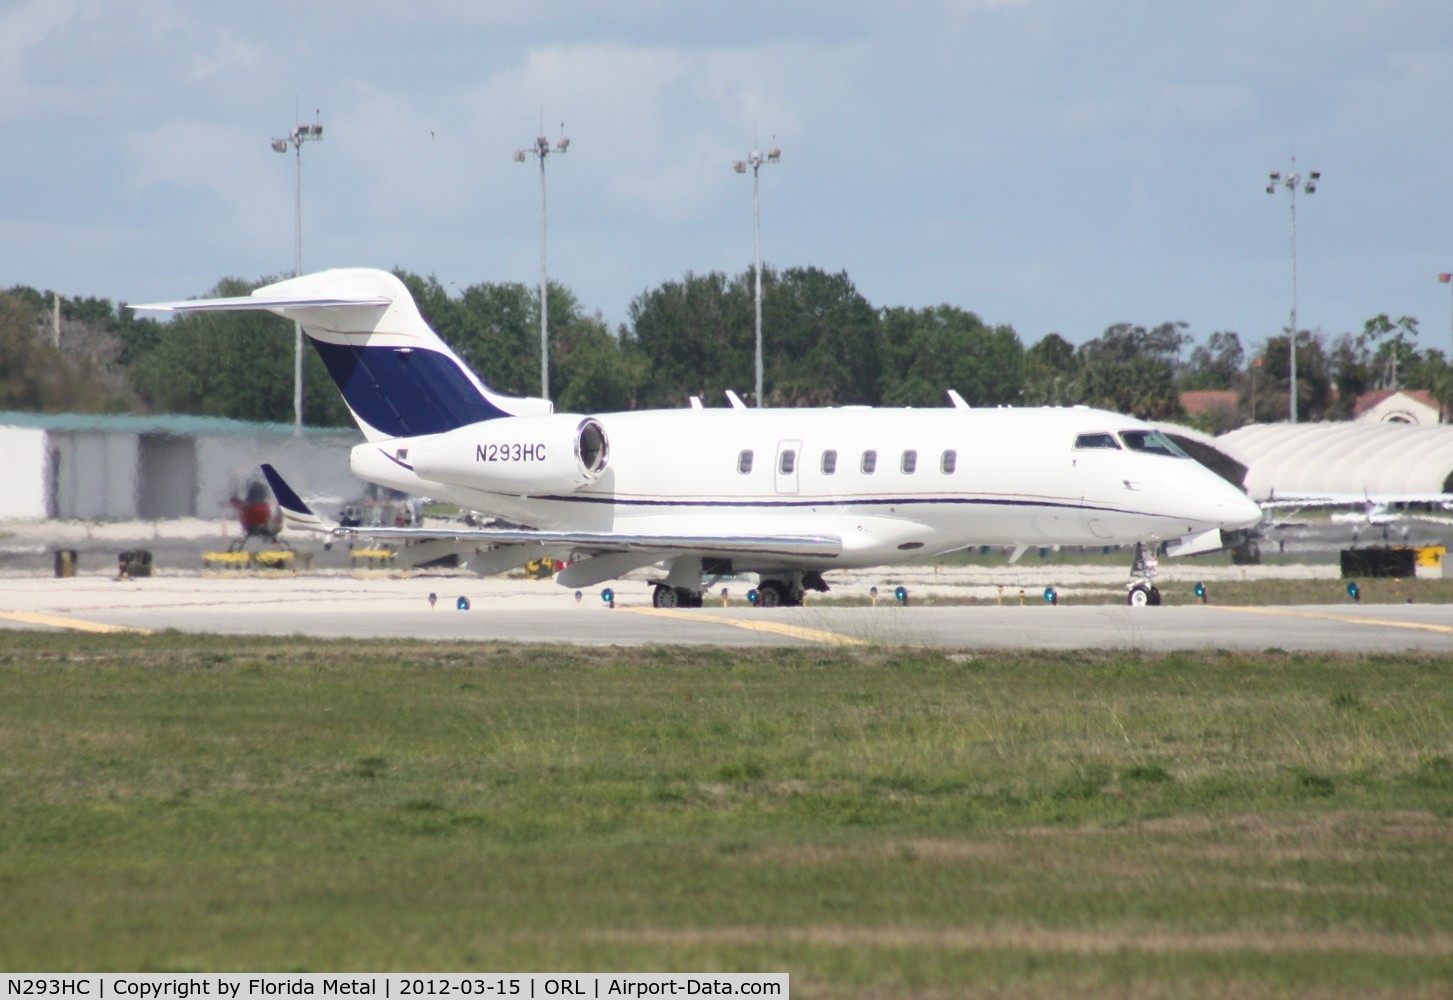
(610, 541)
(300, 515)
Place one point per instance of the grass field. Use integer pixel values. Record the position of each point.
(1228, 593)
(879, 824)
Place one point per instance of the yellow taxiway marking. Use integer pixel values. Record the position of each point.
(777, 628)
(1344, 619)
(74, 624)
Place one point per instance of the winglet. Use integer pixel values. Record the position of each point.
(297, 513)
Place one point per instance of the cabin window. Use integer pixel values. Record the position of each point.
(909, 464)
(788, 461)
(1097, 439)
(1152, 442)
(829, 462)
(744, 461)
(948, 462)
(870, 462)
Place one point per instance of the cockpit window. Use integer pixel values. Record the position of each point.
(1097, 439)
(1152, 442)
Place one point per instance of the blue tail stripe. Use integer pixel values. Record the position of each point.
(405, 391)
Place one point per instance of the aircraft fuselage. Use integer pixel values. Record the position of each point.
(891, 483)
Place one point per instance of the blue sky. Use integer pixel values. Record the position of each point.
(1056, 165)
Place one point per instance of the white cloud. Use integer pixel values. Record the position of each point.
(23, 28)
(229, 54)
(1030, 159)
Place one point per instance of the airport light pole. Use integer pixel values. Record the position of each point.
(1446, 278)
(1291, 181)
(542, 150)
(296, 136)
(756, 159)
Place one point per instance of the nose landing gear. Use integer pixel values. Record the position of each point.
(1140, 591)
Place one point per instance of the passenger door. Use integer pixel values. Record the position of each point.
(789, 459)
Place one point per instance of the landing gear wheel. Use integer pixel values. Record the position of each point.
(674, 597)
(1248, 553)
(771, 595)
(1142, 595)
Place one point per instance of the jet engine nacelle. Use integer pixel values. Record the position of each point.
(558, 453)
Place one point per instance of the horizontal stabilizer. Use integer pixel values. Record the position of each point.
(269, 303)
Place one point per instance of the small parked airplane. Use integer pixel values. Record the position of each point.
(1362, 510)
(787, 494)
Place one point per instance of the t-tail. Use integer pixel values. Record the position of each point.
(397, 376)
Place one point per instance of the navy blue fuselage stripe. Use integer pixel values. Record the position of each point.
(862, 502)
(405, 392)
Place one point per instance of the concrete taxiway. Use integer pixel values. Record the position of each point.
(343, 606)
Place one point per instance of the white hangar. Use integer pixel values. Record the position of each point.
(99, 467)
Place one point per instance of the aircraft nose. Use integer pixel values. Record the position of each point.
(1212, 502)
(1234, 509)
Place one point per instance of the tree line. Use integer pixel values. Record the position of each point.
(825, 344)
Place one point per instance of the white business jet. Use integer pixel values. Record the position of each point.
(787, 494)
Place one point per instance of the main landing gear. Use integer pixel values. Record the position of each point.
(775, 590)
(787, 590)
(675, 597)
(1140, 591)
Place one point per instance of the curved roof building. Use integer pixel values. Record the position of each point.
(1353, 457)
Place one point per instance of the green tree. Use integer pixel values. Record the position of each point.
(1350, 364)
(822, 340)
(595, 374)
(80, 376)
(498, 333)
(928, 351)
(1432, 371)
(1216, 364)
(692, 337)
(495, 328)
(1392, 346)
(1130, 369)
(1053, 373)
(1314, 380)
(232, 364)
